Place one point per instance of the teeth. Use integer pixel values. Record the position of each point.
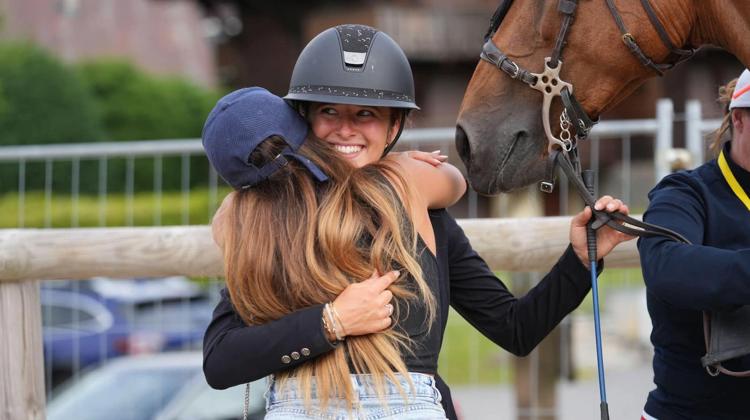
(347, 149)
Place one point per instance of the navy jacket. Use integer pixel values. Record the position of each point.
(234, 353)
(683, 280)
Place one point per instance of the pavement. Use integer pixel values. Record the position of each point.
(626, 394)
(627, 361)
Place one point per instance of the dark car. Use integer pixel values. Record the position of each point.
(88, 322)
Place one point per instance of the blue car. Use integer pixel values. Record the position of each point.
(89, 322)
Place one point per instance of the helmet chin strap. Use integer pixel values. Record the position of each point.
(390, 145)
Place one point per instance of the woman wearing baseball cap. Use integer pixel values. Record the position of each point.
(710, 207)
(300, 231)
(354, 86)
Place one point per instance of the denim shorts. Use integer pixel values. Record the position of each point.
(423, 402)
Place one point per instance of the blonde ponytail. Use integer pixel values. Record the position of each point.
(724, 132)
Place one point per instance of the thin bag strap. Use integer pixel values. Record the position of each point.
(246, 407)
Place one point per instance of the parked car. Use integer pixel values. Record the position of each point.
(89, 322)
(164, 386)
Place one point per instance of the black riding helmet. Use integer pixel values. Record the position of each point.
(354, 65)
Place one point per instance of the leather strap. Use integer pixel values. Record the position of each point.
(499, 59)
(497, 18)
(635, 49)
(617, 220)
(568, 9)
(578, 116)
(716, 368)
(682, 53)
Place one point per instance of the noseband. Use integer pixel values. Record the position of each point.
(562, 150)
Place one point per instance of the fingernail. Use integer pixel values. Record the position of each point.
(395, 273)
(436, 151)
(598, 206)
(610, 206)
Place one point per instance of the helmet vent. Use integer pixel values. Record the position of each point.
(355, 42)
(354, 58)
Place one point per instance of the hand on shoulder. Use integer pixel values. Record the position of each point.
(439, 186)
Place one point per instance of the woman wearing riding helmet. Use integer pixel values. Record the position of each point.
(354, 85)
(302, 226)
(711, 208)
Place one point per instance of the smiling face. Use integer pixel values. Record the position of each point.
(359, 133)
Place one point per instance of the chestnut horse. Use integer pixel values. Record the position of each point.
(500, 133)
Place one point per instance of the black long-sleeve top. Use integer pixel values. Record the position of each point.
(683, 280)
(234, 353)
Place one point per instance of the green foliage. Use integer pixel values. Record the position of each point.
(3, 101)
(47, 102)
(143, 209)
(41, 101)
(137, 106)
(467, 357)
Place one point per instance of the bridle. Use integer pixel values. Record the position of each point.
(562, 150)
(550, 84)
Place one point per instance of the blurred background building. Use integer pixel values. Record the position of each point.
(234, 43)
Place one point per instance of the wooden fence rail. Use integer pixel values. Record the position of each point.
(27, 255)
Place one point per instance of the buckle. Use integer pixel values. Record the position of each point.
(547, 186)
(516, 70)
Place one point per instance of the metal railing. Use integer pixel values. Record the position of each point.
(185, 152)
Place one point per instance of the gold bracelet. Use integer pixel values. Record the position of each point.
(338, 319)
(332, 319)
(327, 325)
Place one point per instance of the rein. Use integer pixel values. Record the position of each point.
(563, 151)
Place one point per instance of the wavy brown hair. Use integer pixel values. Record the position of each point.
(724, 133)
(292, 243)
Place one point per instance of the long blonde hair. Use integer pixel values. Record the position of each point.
(292, 243)
(724, 132)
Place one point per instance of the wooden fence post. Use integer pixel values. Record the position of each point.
(21, 354)
(536, 375)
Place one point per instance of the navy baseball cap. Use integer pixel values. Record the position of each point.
(240, 122)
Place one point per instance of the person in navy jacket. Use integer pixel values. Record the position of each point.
(340, 103)
(710, 207)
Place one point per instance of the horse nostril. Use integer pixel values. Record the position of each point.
(462, 145)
